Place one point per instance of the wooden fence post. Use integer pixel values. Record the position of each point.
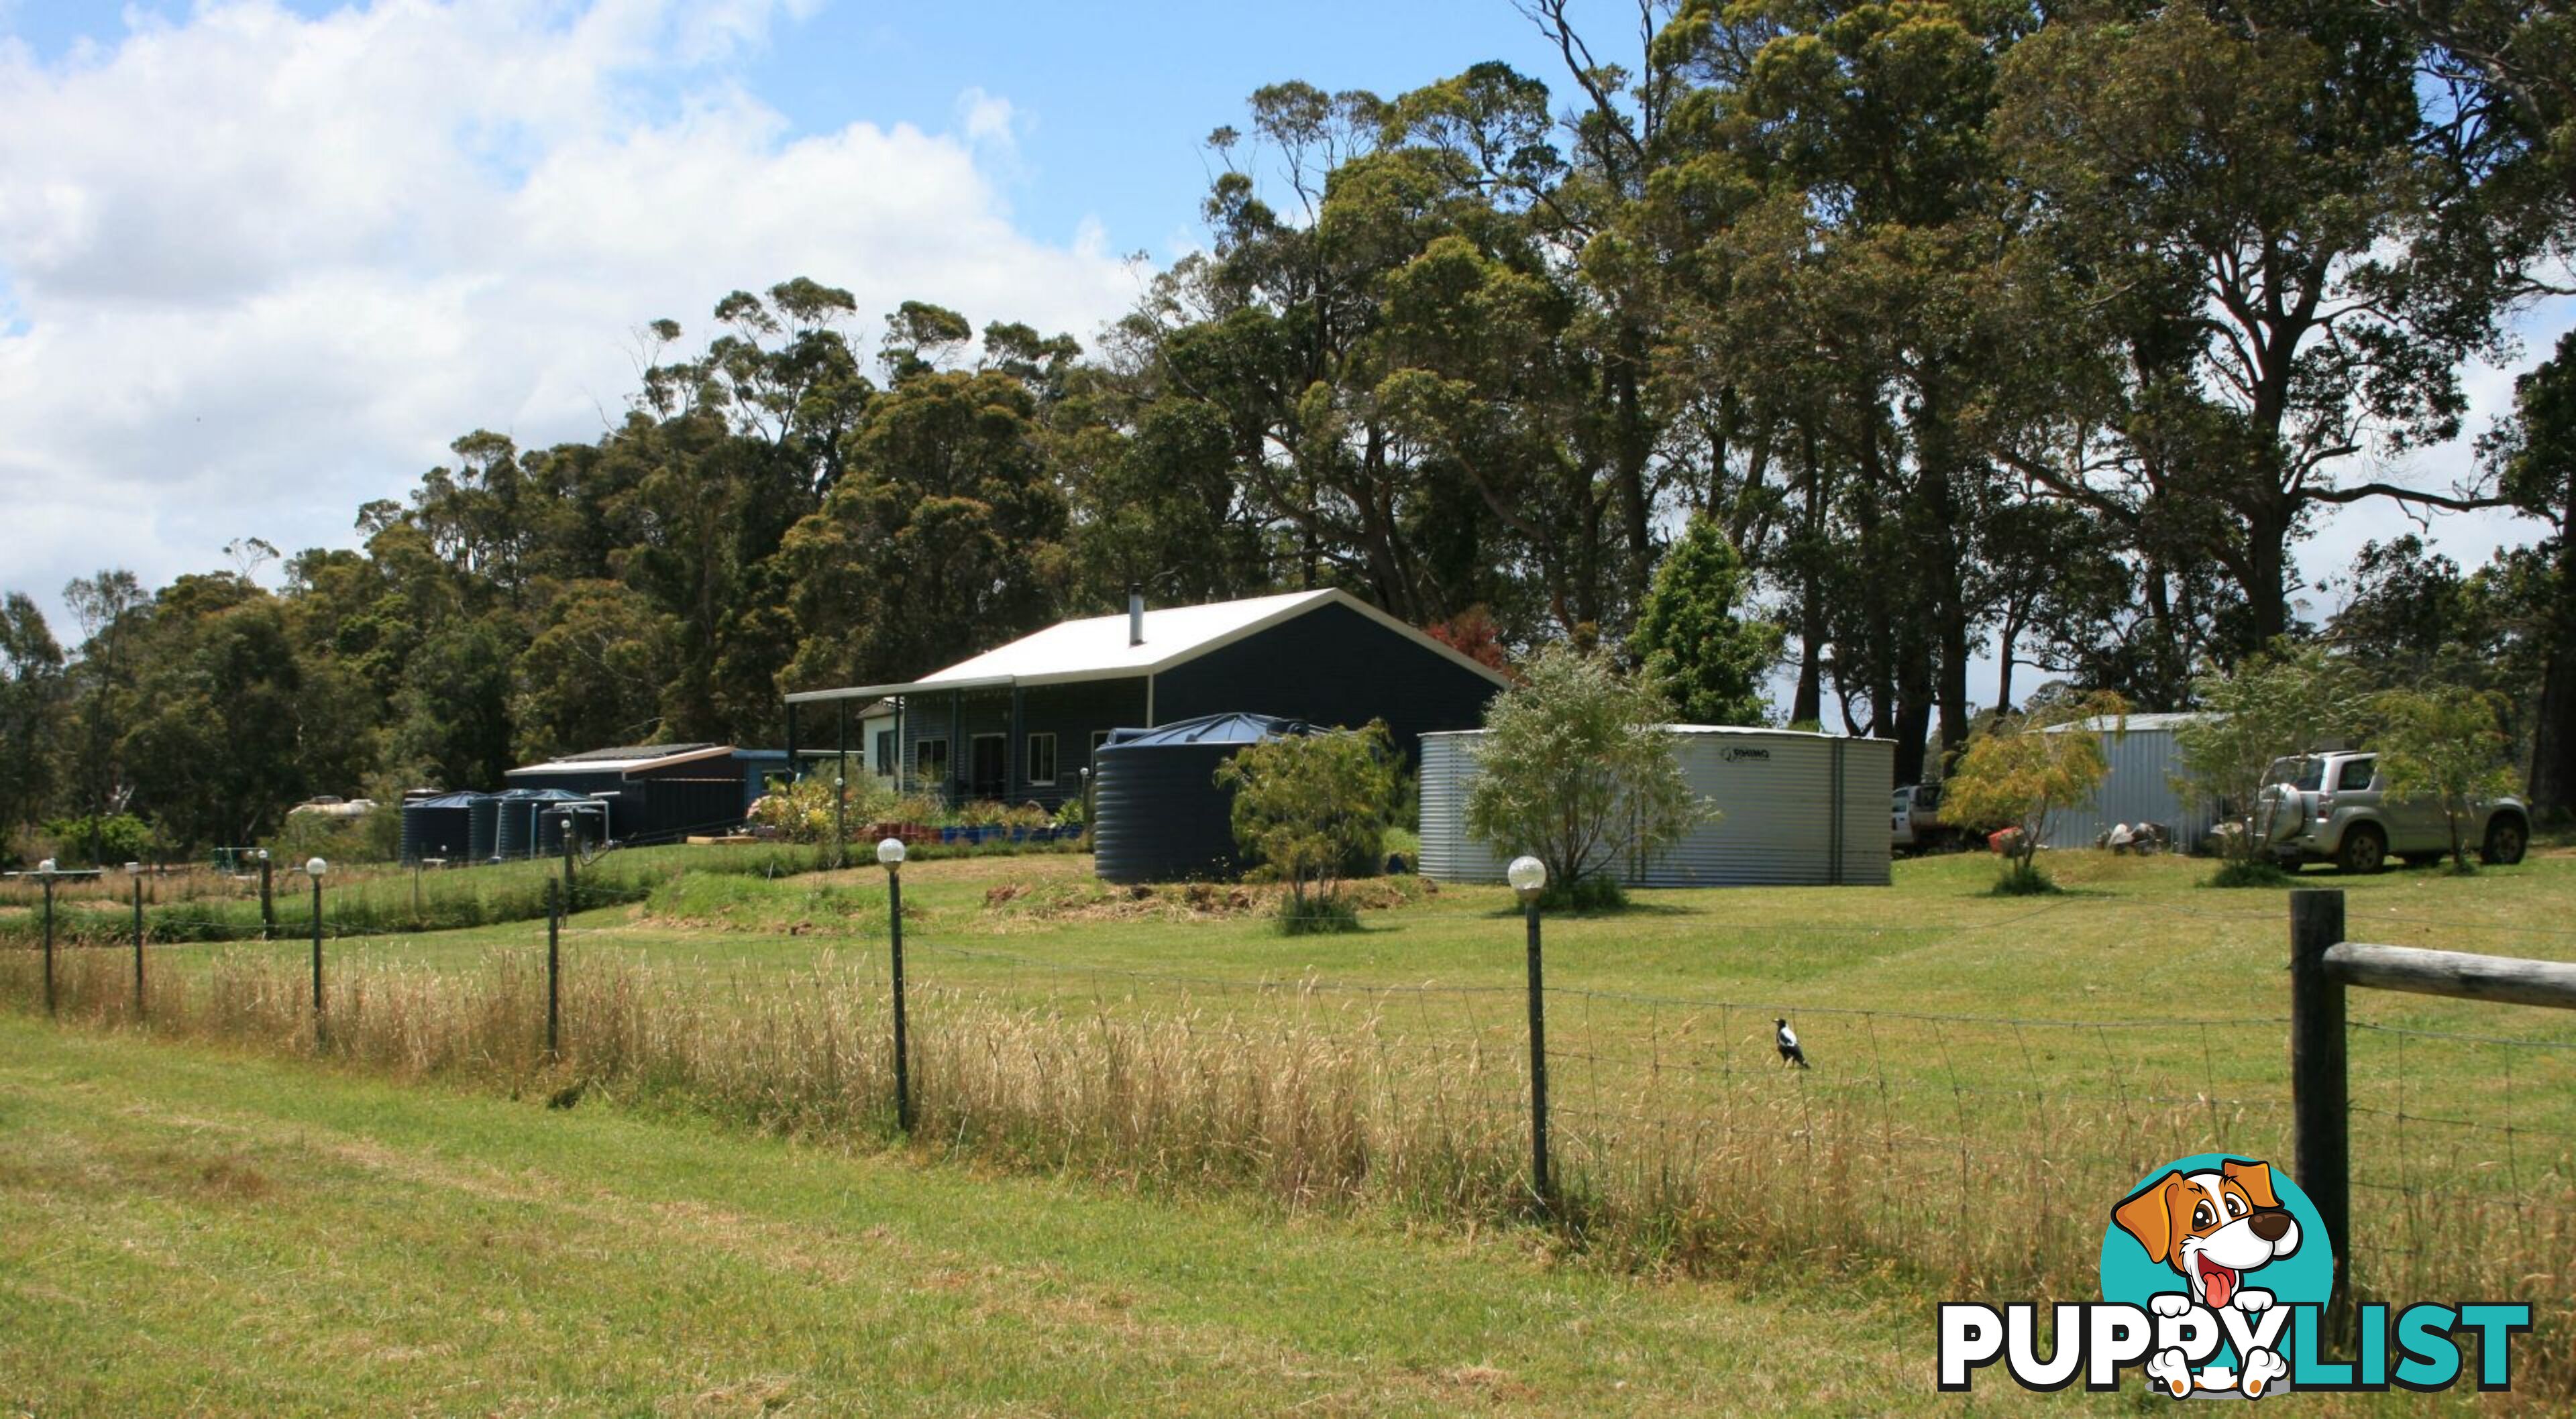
(2318, 1090)
(138, 945)
(554, 972)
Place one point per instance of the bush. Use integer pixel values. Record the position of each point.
(2019, 767)
(1310, 810)
(2250, 872)
(103, 840)
(1576, 770)
(305, 835)
(1316, 915)
(2022, 878)
(1595, 893)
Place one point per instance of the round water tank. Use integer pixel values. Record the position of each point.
(485, 823)
(1157, 812)
(438, 828)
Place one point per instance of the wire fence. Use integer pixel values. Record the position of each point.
(1679, 1133)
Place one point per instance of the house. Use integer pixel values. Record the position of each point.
(661, 792)
(1021, 722)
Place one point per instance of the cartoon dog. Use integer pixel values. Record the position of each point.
(2212, 1227)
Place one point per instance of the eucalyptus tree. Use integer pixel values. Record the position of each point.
(2262, 173)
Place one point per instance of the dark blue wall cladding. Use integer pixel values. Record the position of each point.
(1071, 712)
(1331, 666)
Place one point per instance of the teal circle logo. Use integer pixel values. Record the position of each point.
(2218, 1232)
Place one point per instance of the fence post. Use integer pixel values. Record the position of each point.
(138, 945)
(1538, 1059)
(267, 902)
(2318, 1091)
(49, 937)
(321, 1030)
(554, 973)
(902, 1064)
(563, 833)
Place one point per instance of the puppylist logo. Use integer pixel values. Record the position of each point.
(2215, 1274)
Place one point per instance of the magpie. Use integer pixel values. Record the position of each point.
(1787, 1039)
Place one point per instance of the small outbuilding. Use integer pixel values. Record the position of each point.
(2143, 786)
(658, 792)
(1022, 722)
(1795, 809)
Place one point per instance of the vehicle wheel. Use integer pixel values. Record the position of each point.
(2364, 850)
(2506, 840)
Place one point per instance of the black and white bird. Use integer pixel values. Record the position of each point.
(1787, 1039)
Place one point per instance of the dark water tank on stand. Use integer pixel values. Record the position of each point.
(439, 827)
(1158, 814)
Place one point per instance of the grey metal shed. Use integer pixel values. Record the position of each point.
(1797, 809)
(2140, 788)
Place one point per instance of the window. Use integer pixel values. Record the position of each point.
(885, 751)
(930, 762)
(2355, 775)
(1042, 759)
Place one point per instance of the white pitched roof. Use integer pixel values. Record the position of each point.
(1096, 647)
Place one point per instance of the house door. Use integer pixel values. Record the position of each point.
(988, 768)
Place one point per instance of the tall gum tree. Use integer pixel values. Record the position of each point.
(2264, 168)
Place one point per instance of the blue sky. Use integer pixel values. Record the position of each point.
(261, 260)
(1112, 103)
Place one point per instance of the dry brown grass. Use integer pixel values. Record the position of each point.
(1328, 1098)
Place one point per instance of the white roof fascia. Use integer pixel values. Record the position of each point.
(1291, 605)
(592, 766)
(908, 687)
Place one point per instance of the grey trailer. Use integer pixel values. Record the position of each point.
(1794, 810)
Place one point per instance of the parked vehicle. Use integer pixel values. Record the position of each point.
(2334, 807)
(1915, 824)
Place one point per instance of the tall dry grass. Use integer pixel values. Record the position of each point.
(1331, 1099)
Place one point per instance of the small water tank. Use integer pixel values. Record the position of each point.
(486, 826)
(439, 827)
(1157, 812)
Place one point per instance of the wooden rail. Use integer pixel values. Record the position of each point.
(2506, 980)
(2322, 966)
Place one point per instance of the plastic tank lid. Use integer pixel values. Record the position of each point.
(1237, 728)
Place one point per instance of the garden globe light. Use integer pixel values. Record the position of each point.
(1527, 875)
(890, 852)
(314, 867)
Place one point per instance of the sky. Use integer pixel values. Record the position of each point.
(261, 262)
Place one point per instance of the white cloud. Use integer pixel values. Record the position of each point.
(256, 268)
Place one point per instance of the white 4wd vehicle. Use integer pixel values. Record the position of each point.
(2334, 808)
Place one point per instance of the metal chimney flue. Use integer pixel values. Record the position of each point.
(1135, 614)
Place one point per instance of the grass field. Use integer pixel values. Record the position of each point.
(1991, 1072)
(192, 1231)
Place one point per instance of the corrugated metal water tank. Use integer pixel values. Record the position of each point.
(1796, 809)
(1158, 814)
(438, 828)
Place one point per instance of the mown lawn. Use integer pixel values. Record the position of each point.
(1990, 1069)
(192, 1231)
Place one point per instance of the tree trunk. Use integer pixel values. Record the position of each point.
(2265, 573)
(2552, 786)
